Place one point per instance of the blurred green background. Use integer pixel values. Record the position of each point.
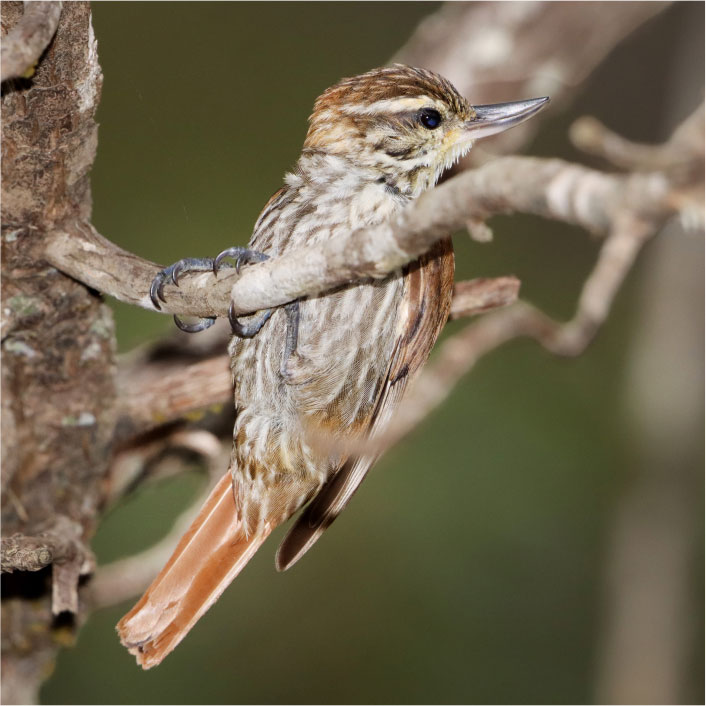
(472, 565)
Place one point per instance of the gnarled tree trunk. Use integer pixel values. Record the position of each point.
(57, 348)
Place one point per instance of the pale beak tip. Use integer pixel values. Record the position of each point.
(491, 119)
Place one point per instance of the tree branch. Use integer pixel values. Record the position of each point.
(61, 545)
(477, 296)
(25, 42)
(127, 577)
(631, 207)
(551, 188)
(683, 153)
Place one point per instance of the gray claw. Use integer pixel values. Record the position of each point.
(200, 325)
(155, 290)
(242, 256)
(157, 286)
(176, 268)
(173, 272)
(247, 330)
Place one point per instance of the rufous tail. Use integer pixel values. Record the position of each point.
(208, 557)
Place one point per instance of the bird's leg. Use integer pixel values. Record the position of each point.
(248, 330)
(245, 256)
(290, 343)
(187, 265)
(242, 256)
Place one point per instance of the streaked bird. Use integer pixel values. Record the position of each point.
(337, 363)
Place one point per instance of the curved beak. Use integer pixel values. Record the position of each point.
(491, 119)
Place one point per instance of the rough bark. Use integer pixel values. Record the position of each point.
(24, 44)
(57, 344)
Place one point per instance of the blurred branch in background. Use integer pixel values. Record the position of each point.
(492, 50)
(651, 608)
(125, 578)
(653, 593)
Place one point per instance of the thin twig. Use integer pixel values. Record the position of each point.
(22, 553)
(683, 152)
(125, 578)
(478, 296)
(61, 545)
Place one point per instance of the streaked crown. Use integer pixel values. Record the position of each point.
(398, 120)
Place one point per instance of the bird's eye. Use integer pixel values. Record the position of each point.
(430, 118)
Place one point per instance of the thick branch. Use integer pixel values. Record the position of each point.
(546, 187)
(25, 42)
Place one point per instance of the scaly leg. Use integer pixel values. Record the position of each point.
(242, 256)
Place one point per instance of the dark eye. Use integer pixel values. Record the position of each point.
(430, 118)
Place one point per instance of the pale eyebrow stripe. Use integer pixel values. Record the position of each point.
(390, 105)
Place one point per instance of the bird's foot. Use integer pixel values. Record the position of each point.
(249, 329)
(245, 256)
(242, 256)
(293, 364)
(173, 272)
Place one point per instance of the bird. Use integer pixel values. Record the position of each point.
(335, 364)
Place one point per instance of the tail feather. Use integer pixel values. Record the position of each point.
(208, 557)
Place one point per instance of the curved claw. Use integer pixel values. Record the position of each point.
(228, 252)
(176, 270)
(173, 272)
(242, 256)
(249, 256)
(200, 325)
(156, 290)
(157, 286)
(247, 330)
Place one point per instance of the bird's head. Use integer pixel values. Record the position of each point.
(406, 124)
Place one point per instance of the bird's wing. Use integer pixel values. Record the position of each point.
(427, 301)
